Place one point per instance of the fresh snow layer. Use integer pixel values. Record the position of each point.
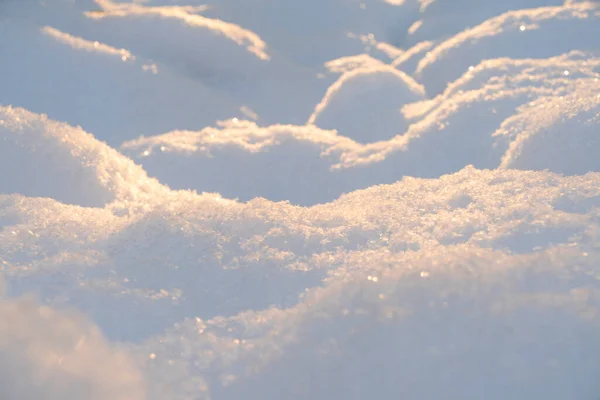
(319, 199)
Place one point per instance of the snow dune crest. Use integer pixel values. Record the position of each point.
(440, 139)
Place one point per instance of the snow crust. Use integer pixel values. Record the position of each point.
(320, 199)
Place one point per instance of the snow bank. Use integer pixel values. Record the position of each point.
(390, 320)
(478, 276)
(457, 128)
(453, 324)
(52, 355)
(441, 19)
(52, 159)
(558, 134)
(109, 91)
(364, 104)
(238, 159)
(174, 76)
(184, 255)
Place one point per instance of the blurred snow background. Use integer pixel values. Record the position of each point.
(324, 199)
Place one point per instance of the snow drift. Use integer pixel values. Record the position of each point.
(318, 199)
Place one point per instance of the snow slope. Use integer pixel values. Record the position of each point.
(321, 199)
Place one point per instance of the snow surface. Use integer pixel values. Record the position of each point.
(364, 103)
(323, 199)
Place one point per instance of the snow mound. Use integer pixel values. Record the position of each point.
(535, 33)
(451, 289)
(441, 19)
(447, 133)
(364, 104)
(381, 332)
(558, 134)
(431, 232)
(237, 161)
(461, 270)
(52, 355)
(110, 91)
(186, 256)
(229, 59)
(53, 159)
(82, 44)
(457, 128)
(189, 17)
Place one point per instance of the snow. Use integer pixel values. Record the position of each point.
(113, 98)
(401, 332)
(79, 43)
(316, 166)
(442, 19)
(532, 33)
(364, 104)
(242, 37)
(320, 199)
(570, 124)
(48, 354)
(65, 163)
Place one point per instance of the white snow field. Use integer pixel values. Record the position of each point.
(284, 199)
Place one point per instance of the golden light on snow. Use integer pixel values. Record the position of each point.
(86, 45)
(373, 233)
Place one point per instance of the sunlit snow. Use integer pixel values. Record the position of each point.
(319, 199)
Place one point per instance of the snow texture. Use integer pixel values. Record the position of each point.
(531, 33)
(304, 199)
(54, 355)
(364, 104)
